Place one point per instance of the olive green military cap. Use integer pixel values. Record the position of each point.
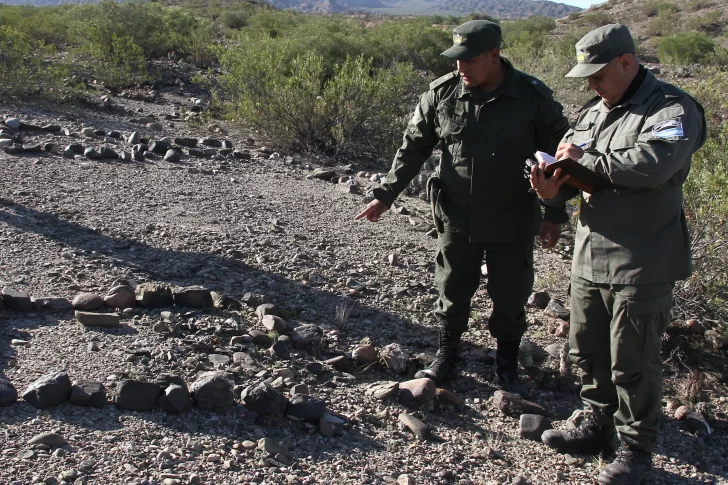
(598, 47)
(473, 38)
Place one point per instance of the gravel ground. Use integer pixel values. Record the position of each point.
(262, 226)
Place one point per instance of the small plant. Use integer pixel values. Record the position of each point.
(342, 313)
(686, 48)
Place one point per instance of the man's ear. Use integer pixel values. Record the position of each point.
(626, 61)
(494, 55)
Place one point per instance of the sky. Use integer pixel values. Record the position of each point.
(580, 3)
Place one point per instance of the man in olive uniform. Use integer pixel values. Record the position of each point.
(489, 118)
(632, 244)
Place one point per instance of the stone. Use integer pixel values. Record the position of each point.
(87, 302)
(273, 323)
(394, 358)
(532, 426)
(447, 398)
(326, 428)
(266, 309)
(54, 440)
(384, 390)
(554, 350)
(186, 142)
(419, 428)
(405, 479)
(52, 304)
(263, 399)
(307, 334)
(172, 156)
(556, 308)
(274, 448)
(13, 123)
(91, 153)
(322, 174)
(280, 349)
(50, 390)
(212, 391)
(299, 389)
(305, 408)
(539, 299)
(159, 147)
(341, 363)
(134, 138)
(8, 393)
(152, 295)
(121, 296)
(260, 338)
(175, 399)
(135, 395)
(514, 405)
(218, 359)
(107, 152)
(17, 300)
(89, 319)
(417, 393)
(365, 355)
(193, 297)
(88, 393)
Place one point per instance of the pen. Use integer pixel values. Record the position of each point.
(582, 145)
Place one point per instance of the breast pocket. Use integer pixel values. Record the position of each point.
(622, 143)
(582, 133)
(451, 126)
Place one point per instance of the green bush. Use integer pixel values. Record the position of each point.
(595, 19)
(351, 110)
(481, 16)
(117, 64)
(686, 48)
(664, 24)
(653, 8)
(24, 66)
(530, 33)
(234, 20)
(708, 23)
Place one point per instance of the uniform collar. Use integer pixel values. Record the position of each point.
(509, 86)
(639, 97)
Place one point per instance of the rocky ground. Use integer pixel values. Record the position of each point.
(312, 395)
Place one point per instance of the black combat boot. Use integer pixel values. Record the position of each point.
(630, 467)
(589, 437)
(506, 367)
(441, 369)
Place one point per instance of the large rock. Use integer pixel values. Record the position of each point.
(266, 309)
(556, 309)
(263, 399)
(532, 426)
(305, 408)
(193, 297)
(87, 302)
(365, 355)
(260, 338)
(273, 323)
(121, 296)
(88, 393)
(515, 405)
(50, 390)
(213, 392)
(151, 295)
(137, 395)
(394, 358)
(54, 440)
(307, 334)
(419, 428)
(52, 304)
(417, 393)
(539, 299)
(175, 399)
(8, 393)
(89, 319)
(384, 390)
(165, 380)
(17, 300)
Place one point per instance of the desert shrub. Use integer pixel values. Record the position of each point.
(481, 16)
(411, 41)
(234, 20)
(695, 5)
(653, 8)
(686, 48)
(350, 110)
(41, 24)
(595, 19)
(24, 66)
(117, 64)
(664, 24)
(708, 23)
(527, 33)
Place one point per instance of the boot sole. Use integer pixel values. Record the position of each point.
(580, 449)
(639, 481)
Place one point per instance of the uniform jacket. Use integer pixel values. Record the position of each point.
(485, 140)
(636, 232)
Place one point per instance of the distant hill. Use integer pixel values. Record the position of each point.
(504, 9)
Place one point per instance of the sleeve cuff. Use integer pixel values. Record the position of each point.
(555, 214)
(384, 196)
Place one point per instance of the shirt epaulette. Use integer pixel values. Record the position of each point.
(590, 103)
(538, 85)
(443, 79)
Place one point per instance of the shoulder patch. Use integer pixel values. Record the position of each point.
(443, 79)
(669, 130)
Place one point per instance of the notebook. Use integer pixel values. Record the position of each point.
(580, 177)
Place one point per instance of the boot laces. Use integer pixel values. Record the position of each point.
(624, 455)
(586, 428)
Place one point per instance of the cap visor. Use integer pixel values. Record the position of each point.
(585, 70)
(460, 53)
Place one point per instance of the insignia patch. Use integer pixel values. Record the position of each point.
(457, 38)
(581, 56)
(668, 130)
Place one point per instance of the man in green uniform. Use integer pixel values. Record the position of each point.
(489, 118)
(632, 244)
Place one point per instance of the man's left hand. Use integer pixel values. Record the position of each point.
(550, 234)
